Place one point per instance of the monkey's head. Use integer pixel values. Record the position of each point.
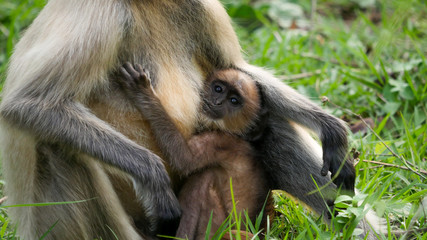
(231, 100)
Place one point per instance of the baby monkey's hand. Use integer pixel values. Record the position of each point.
(136, 85)
(136, 81)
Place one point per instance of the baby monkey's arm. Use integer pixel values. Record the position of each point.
(184, 157)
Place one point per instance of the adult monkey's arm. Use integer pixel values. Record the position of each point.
(70, 50)
(292, 106)
(292, 158)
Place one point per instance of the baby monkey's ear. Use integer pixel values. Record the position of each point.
(256, 132)
(263, 112)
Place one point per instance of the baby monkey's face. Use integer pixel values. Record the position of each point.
(231, 100)
(222, 99)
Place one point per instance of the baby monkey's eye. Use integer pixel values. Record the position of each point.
(218, 89)
(234, 101)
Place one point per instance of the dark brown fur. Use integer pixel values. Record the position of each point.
(212, 158)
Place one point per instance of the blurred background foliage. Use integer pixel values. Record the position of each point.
(367, 60)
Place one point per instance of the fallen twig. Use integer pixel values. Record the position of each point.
(3, 199)
(392, 165)
(299, 76)
(391, 151)
(373, 167)
(419, 172)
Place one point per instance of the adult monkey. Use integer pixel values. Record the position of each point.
(64, 122)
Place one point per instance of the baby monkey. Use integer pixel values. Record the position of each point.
(232, 109)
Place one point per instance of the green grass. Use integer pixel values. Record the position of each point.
(369, 61)
(370, 68)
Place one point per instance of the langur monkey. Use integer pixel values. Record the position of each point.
(231, 103)
(68, 133)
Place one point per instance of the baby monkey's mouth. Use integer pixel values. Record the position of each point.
(210, 110)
